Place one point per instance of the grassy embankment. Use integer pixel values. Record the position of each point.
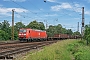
(63, 50)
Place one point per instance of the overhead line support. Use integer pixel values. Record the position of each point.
(13, 24)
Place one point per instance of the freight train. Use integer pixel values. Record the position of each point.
(39, 35)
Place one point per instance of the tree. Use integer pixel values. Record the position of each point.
(19, 25)
(77, 33)
(54, 30)
(69, 31)
(87, 33)
(5, 26)
(64, 31)
(3, 35)
(59, 28)
(41, 26)
(36, 25)
(51, 30)
(5, 30)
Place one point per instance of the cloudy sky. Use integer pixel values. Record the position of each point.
(65, 12)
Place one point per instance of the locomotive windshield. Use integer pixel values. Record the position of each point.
(22, 31)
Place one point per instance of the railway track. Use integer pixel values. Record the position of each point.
(7, 51)
(8, 42)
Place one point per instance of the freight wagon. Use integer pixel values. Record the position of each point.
(62, 36)
(32, 35)
(59, 37)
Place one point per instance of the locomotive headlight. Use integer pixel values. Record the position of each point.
(19, 34)
(24, 34)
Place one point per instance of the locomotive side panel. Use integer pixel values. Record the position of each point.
(35, 34)
(43, 35)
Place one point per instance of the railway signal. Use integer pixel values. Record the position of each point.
(82, 28)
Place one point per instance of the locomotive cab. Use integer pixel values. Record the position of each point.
(22, 34)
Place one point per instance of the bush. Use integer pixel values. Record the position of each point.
(78, 50)
(78, 55)
(3, 35)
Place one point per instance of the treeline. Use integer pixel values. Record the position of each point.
(6, 33)
(87, 34)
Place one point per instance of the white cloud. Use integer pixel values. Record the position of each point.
(78, 9)
(55, 8)
(87, 12)
(7, 11)
(66, 5)
(77, 5)
(19, 10)
(16, 0)
(72, 7)
(5, 14)
(51, 0)
(62, 6)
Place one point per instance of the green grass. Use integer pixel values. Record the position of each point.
(56, 51)
(80, 50)
(62, 50)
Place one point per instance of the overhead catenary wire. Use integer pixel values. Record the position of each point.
(22, 6)
(58, 4)
(24, 16)
(63, 12)
(15, 12)
(38, 8)
(25, 8)
(34, 5)
(10, 16)
(74, 9)
(74, 6)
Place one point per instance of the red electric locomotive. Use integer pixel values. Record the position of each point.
(32, 35)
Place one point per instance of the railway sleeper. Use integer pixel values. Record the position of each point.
(11, 52)
(6, 58)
